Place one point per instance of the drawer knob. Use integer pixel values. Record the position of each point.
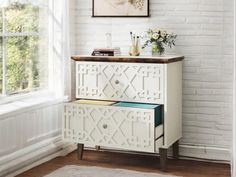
(104, 126)
(117, 82)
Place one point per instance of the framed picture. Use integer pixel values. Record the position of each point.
(120, 8)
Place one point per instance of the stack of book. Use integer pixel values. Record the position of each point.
(106, 52)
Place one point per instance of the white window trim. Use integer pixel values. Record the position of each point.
(3, 56)
(17, 97)
(6, 34)
(26, 105)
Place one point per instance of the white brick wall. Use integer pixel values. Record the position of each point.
(205, 38)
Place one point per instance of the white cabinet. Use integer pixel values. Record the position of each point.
(151, 81)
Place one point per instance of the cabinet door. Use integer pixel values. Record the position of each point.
(134, 82)
(115, 127)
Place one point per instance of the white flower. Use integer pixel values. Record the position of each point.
(160, 39)
(163, 33)
(155, 36)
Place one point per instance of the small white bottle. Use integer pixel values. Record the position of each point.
(108, 40)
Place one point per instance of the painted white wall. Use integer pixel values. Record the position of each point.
(204, 29)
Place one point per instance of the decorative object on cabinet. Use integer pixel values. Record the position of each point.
(120, 8)
(135, 45)
(115, 51)
(103, 52)
(146, 115)
(159, 39)
(108, 40)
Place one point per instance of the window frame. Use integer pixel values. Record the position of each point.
(4, 97)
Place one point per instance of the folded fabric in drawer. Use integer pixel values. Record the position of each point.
(156, 107)
(95, 102)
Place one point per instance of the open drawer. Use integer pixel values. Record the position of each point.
(113, 125)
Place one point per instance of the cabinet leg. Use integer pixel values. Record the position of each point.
(80, 150)
(97, 148)
(176, 150)
(163, 158)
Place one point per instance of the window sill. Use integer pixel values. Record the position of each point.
(17, 97)
(28, 104)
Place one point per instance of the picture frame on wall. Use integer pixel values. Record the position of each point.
(120, 8)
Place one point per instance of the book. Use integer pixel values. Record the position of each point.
(96, 53)
(106, 51)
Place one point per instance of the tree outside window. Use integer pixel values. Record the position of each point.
(23, 49)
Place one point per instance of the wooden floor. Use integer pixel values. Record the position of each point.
(136, 162)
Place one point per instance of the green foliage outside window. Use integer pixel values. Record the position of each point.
(22, 18)
(25, 59)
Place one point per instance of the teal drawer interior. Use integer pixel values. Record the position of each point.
(156, 107)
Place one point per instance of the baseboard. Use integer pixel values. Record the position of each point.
(50, 149)
(204, 153)
(191, 152)
(33, 156)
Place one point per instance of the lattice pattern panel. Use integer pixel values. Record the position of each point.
(136, 82)
(126, 128)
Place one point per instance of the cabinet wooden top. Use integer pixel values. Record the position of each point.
(129, 59)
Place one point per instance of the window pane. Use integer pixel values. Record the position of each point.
(22, 18)
(26, 64)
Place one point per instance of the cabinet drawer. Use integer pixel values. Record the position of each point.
(111, 126)
(136, 82)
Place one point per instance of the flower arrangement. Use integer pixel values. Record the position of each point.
(159, 39)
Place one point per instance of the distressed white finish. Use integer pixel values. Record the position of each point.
(205, 30)
(110, 126)
(133, 82)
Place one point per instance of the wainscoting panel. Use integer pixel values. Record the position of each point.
(28, 128)
(29, 135)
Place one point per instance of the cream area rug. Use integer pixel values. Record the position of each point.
(86, 171)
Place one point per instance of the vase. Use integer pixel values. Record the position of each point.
(134, 50)
(157, 49)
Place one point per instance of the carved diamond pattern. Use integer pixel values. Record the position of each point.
(115, 81)
(126, 128)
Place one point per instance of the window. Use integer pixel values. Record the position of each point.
(23, 49)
